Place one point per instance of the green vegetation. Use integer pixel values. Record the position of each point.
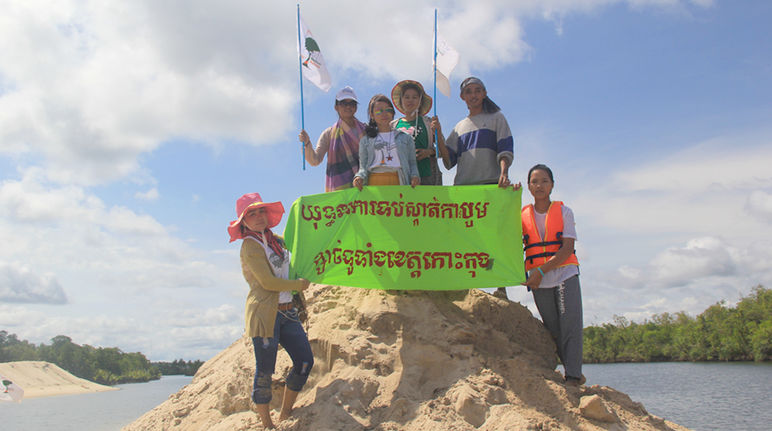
(105, 365)
(720, 333)
(178, 366)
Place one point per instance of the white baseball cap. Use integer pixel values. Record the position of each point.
(346, 93)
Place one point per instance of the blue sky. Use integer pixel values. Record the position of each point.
(127, 131)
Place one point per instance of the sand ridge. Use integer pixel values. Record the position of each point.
(461, 360)
(44, 379)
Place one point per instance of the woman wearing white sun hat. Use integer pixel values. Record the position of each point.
(340, 142)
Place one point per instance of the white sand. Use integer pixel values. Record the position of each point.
(419, 361)
(44, 379)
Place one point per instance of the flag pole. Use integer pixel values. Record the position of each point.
(436, 135)
(302, 114)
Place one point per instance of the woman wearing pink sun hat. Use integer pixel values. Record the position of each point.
(271, 318)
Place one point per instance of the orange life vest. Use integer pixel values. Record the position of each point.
(538, 251)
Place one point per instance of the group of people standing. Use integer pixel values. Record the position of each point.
(389, 151)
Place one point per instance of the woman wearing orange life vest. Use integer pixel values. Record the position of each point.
(553, 270)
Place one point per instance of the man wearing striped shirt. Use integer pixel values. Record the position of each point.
(481, 145)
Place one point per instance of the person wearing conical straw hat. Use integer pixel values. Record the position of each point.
(340, 142)
(410, 99)
(270, 315)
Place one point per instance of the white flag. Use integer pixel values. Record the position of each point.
(447, 59)
(9, 391)
(311, 60)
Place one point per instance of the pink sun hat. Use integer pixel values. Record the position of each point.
(250, 200)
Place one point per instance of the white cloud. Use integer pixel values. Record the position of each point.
(205, 338)
(136, 74)
(192, 318)
(604, 297)
(112, 80)
(759, 203)
(20, 284)
(130, 282)
(714, 165)
(700, 258)
(703, 3)
(40, 326)
(672, 4)
(691, 192)
(35, 202)
(151, 335)
(688, 277)
(73, 234)
(150, 195)
(677, 233)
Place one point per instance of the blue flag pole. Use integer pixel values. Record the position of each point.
(302, 114)
(436, 135)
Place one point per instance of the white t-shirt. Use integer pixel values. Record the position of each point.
(386, 158)
(559, 275)
(280, 267)
(285, 297)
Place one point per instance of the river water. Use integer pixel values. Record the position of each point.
(99, 411)
(701, 396)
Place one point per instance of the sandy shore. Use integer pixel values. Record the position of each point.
(44, 379)
(407, 361)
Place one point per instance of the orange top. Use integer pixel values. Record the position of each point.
(537, 250)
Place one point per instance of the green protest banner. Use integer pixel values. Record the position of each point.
(398, 237)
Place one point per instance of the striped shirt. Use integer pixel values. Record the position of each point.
(477, 144)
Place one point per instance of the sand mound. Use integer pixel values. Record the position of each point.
(408, 361)
(44, 379)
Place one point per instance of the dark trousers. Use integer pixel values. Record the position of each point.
(287, 331)
(561, 311)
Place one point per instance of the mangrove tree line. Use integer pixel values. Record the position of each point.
(105, 365)
(720, 333)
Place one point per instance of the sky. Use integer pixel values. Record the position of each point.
(129, 129)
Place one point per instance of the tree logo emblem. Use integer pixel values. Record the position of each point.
(314, 53)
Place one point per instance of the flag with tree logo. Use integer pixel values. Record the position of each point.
(312, 63)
